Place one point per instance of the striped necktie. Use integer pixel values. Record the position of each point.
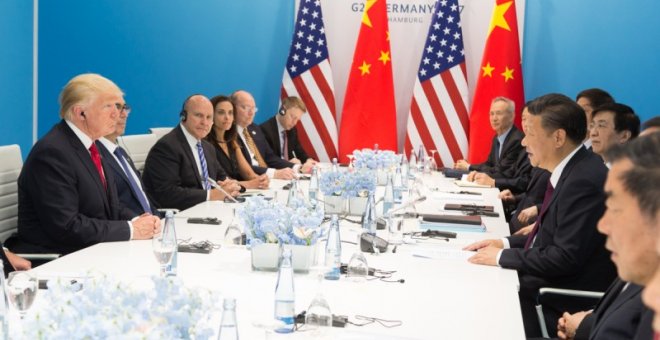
(202, 162)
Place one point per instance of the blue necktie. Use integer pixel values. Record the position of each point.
(205, 170)
(122, 156)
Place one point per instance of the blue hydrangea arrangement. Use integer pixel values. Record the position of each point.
(346, 184)
(267, 221)
(106, 308)
(375, 159)
(332, 183)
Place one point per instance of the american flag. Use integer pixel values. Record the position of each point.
(309, 77)
(438, 115)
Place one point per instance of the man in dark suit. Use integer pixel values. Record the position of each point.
(66, 193)
(564, 250)
(589, 100)
(253, 143)
(612, 124)
(181, 165)
(128, 179)
(505, 147)
(630, 223)
(281, 134)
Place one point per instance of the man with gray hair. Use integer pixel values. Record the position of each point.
(67, 198)
(505, 148)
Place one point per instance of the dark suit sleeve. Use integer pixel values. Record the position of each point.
(163, 182)
(489, 164)
(267, 152)
(584, 328)
(515, 178)
(61, 196)
(572, 226)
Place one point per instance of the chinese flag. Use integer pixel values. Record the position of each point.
(500, 75)
(369, 113)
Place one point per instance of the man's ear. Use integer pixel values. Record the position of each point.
(559, 138)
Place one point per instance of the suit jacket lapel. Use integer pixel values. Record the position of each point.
(578, 156)
(275, 131)
(86, 160)
(188, 152)
(110, 161)
(615, 299)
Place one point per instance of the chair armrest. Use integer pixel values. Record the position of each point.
(164, 210)
(45, 257)
(571, 292)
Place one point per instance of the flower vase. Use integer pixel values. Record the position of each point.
(356, 205)
(334, 205)
(381, 177)
(265, 256)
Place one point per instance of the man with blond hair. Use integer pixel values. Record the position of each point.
(280, 131)
(66, 195)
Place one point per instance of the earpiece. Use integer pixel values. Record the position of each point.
(83, 114)
(183, 115)
(282, 111)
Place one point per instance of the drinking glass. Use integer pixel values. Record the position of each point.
(233, 233)
(163, 246)
(434, 164)
(350, 161)
(318, 313)
(358, 269)
(21, 290)
(395, 225)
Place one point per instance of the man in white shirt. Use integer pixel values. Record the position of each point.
(253, 143)
(128, 179)
(182, 169)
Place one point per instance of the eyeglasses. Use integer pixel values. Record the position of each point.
(249, 108)
(123, 107)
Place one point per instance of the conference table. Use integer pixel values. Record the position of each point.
(436, 293)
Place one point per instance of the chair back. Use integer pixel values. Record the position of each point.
(138, 146)
(160, 131)
(11, 162)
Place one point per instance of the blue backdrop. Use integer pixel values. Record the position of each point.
(159, 52)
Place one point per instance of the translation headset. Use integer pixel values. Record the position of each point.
(282, 110)
(183, 115)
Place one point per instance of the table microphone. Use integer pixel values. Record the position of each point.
(324, 202)
(215, 185)
(407, 205)
(382, 221)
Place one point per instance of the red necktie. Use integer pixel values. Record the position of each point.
(546, 202)
(96, 158)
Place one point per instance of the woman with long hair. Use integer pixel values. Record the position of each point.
(223, 136)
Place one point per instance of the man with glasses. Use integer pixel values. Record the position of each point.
(128, 179)
(253, 143)
(67, 198)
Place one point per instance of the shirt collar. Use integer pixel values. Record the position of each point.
(84, 138)
(556, 174)
(108, 144)
(191, 140)
(502, 137)
(280, 129)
